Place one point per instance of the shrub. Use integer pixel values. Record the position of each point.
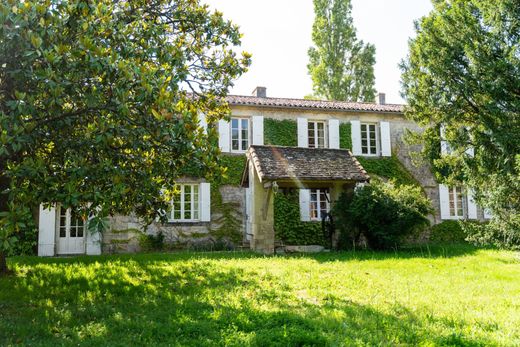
(447, 231)
(149, 242)
(494, 234)
(385, 214)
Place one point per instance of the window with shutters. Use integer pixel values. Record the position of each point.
(185, 204)
(316, 134)
(456, 197)
(240, 133)
(369, 139)
(319, 203)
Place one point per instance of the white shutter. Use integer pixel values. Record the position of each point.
(305, 198)
(46, 231)
(202, 122)
(444, 198)
(472, 206)
(258, 130)
(444, 147)
(205, 202)
(303, 134)
(93, 243)
(334, 133)
(356, 136)
(386, 145)
(224, 135)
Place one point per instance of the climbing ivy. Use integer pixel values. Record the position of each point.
(388, 168)
(287, 224)
(280, 132)
(345, 136)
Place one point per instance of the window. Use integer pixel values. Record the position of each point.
(369, 139)
(319, 205)
(185, 204)
(456, 202)
(316, 134)
(71, 224)
(239, 134)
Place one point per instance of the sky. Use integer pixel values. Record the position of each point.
(278, 34)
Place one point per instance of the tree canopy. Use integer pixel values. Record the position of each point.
(100, 101)
(340, 65)
(463, 75)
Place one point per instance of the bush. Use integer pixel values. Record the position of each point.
(447, 231)
(497, 233)
(150, 242)
(385, 214)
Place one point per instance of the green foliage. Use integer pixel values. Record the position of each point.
(447, 231)
(233, 167)
(386, 214)
(340, 65)
(95, 112)
(493, 234)
(287, 224)
(436, 296)
(462, 74)
(280, 132)
(345, 136)
(150, 242)
(388, 168)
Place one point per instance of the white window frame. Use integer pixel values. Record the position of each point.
(194, 203)
(240, 139)
(315, 211)
(67, 228)
(456, 195)
(312, 127)
(368, 138)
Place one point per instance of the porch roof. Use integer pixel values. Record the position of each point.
(275, 163)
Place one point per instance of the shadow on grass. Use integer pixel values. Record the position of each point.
(159, 300)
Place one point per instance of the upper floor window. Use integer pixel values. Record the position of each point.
(239, 134)
(319, 203)
(185, 205)
(316, 134)
(456, 197)
(369, 139)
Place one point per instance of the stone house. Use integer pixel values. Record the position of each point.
(205, 212)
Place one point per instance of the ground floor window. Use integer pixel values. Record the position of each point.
(319, 203)
(71, 223)
(456, 202)
(185, 204)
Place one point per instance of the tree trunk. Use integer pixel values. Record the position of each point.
(3, 264)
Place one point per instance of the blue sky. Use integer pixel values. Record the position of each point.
(278, 34)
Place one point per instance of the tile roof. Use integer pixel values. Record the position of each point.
(306, 164)
(313, 104)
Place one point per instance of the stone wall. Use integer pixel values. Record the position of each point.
(125, 231)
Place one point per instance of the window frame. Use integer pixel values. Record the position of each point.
(79, 225)
(367, 132)
(315, 133)
(318, 210)
(456, 195)
(195, 204)
(240, 130)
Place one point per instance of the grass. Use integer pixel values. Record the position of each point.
(455, 296)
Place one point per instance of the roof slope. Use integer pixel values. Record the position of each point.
(306, 164)
(313, 104)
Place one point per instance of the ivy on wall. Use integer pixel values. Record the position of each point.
(388, 168)
(345, 136)
(287, 224)
(280, 132)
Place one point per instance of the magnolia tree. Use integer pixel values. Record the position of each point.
(462, 76)
(100, 101)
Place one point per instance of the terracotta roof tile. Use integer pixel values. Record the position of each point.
(306, 164)
(313, 104)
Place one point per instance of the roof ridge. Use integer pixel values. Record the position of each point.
(315, 100)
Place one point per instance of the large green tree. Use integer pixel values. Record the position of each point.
(340, 65)
(463, 75)
(99, 103)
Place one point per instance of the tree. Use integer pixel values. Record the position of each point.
(341, 66)
(99, 103)
(463, 75)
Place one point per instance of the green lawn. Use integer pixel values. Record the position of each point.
(444, 296)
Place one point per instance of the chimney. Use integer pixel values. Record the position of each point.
(381, 98)
(260, 92)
